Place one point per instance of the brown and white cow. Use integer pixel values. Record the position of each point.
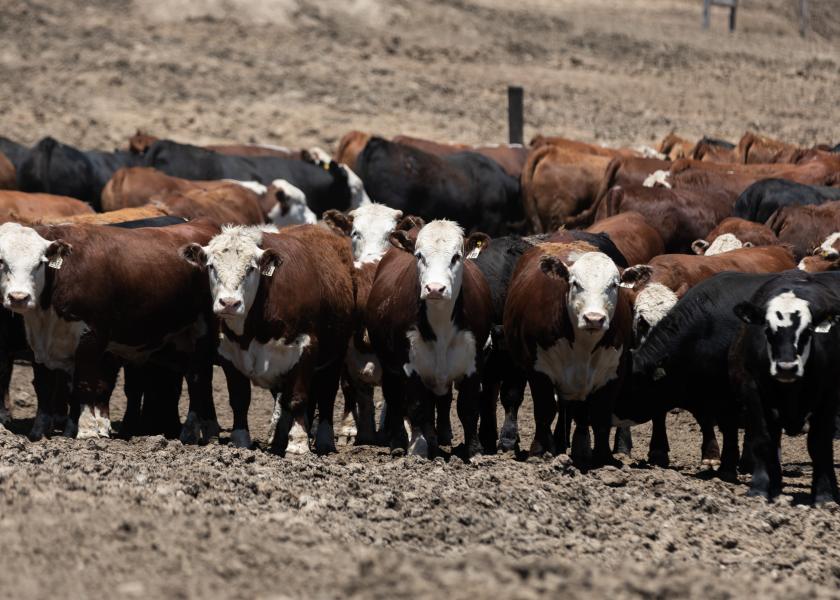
(568, 324)
(21, 207)
(733, 233)
(285, 302)
(807, 226)
(658, 285)
(825, 257)
(79, 287)
(428, 317)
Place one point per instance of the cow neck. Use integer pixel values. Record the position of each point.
(45, 300)
(436, 317)
(255, 324)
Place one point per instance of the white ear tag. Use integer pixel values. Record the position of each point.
(824, 327)
(474, 252)
(626, 284)
(658, 373)
(56, 262)
(268, 271)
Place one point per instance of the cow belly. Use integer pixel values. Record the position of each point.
(52, 339)
(182, 341)
(577, 371)
(264, 364)
(440, 362)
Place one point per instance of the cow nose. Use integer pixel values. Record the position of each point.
(595, 320)
(786, 367)
(19, 297)
(230, 303)
(435, 290)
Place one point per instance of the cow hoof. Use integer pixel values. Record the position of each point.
(474, 448)
(298, 440)
(347, 431)
(710, 463)
(103, 427)
(191, 430)
(324, 438)
(210, 431)
(240, 438)
(5, 417)
(758, 493)
(824, 498)
(88, 426)
(297, 447)
(40, 427)
(71, 429)
(659, 458)
(728, 475)
(419, 447)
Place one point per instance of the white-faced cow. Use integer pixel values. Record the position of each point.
(285, 301)
(428, 316)
(568, 324)
(784, 365)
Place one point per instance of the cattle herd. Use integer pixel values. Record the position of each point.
(618, 284)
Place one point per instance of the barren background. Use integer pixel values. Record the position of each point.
(151, 518)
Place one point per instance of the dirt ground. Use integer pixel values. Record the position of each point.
(152, 518)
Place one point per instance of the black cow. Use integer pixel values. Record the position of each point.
(465, 187)
(784, 367)
(683, 363)
(325, 188)
(759, 201)
(55, 168)
(496, 259)
(15, 152)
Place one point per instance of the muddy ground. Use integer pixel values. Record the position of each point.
(152, 518)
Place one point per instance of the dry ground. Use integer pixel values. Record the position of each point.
(151, 518)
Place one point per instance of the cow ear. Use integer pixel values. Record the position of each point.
(410, 222)
(475, 243)
(195, 255)
(553, 267)
(636, 275)
(400, 239)
(699, 246)
(337, 221)
(749, 313)
(269, 261)
(747, 245)
(826, 324)
(56, 252)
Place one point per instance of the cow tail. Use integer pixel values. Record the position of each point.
(529, 203)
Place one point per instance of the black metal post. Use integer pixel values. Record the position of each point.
(516, 115)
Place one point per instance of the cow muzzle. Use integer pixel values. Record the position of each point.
(787, 372)
(19, 301)
(594, 321)
(434, 291)
(228, 307)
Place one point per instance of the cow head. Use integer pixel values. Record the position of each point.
(439, 250)
(825, 257)
(358, 195)
(369, 228)
(234, 263)
(291, 207)
(24, 256)
(593, 288)
(789, 326)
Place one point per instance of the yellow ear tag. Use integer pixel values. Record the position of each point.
(56, 262)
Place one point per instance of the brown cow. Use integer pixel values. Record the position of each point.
(631, 170)
(754, 149)
(733, 233)
(428, 316)
(140, 142)
(634, 238)
(568, 325)
(349, 148)
(578, 146)
(286, 305)
(805, 227)
(123, 215)
(92, 296)
(558, 183)
(8, 175)
(658, 284)
(27, 208)
(674, 146)
(228, 203)
(826, 257)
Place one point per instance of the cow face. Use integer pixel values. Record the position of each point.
(234, 263)
(24, 256)
(722, 243)
(291, 207)
(439, 251)
(789, 328)
(825, 257)
(593, 288)
(371, 227)
(651, 305)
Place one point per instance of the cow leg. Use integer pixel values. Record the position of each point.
(323, 392)
(420, 409)
(728, 424)
(545, 408)
(201, 425)
(43, 382)
(581, 451)
(821, 451)
(767, 474)
(488, 432)
(161, 394)
(133, 388)
(659, 447)
(393, 391)
(443, 429)
(623, 443)
(348, 430)
(469, 398)
(512, 394)
(365, 415)
(6, 366)
(291, 433)
(710, 451)
(95, 376)
(239, 397)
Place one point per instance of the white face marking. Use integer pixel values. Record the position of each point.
(298, 212)
(657, 178)
(358, 195)
(723, 243)
(828, 249)
(652, 304)
(254, 186)
(440, 266)
(22, 252)
(788, 317)
(232, 267)
(593, 292)
(372, 225)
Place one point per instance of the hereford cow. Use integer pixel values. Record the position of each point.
(286, 305)
(77, 287)
(568, 324)
(27, 208)
(760, 200)
(465, 187)
(733, 233)
(658, 285)
(805, 227)
(637, 241)
(825, 257)
(428, 316)
(784, 367)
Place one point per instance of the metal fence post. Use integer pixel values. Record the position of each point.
(516, 118)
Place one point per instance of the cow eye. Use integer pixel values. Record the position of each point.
(356, 234)
(419, 256)
(249, 269)
(456, 258)
(577, 287)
